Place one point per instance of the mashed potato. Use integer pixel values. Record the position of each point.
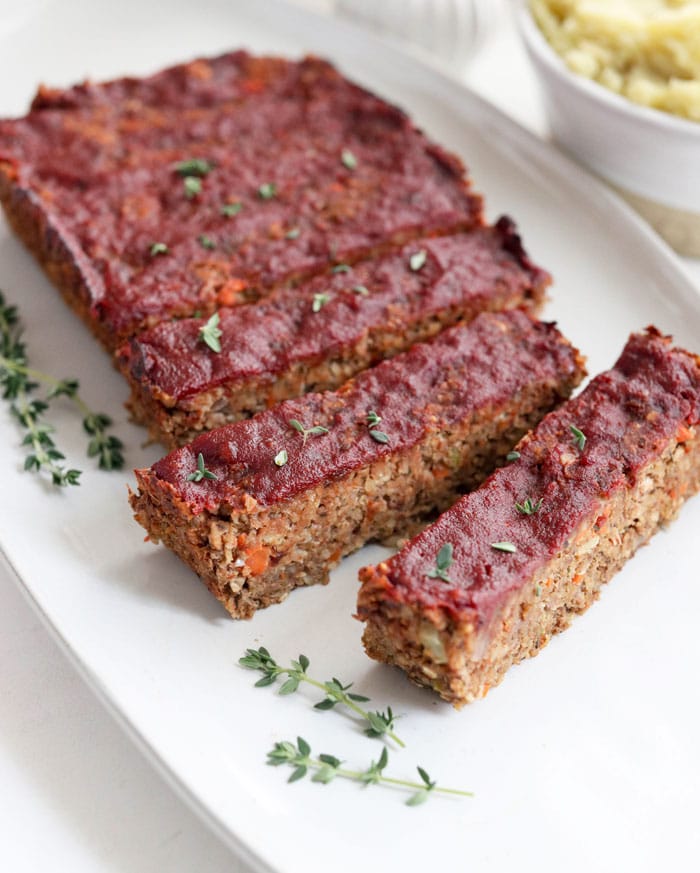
(645, 50)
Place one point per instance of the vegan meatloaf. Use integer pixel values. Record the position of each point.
(212, 182)
(511, 563)
(267, 504)
(315, 337)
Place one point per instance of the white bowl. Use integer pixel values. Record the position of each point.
(650, 155)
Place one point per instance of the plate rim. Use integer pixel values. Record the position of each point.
(289, 18)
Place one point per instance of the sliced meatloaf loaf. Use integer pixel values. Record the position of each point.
(316, 336)
(212, 182)
(511, 563)
(264, 505)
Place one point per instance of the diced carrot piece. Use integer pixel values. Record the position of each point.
(258, 560)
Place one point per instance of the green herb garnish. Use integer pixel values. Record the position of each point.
(378, 724)
(379, 436)
(579, 436)
(192, 186)
(211, 334)
(230, 209)
(293, 233)
(527, 507)
(267, 191)
(443, 561)
(361, 290)
(194, 167)
(281, 458)
(320, 301)
(373, 419)
(341, 268)
(206, 242)
(201, 472)
(504, 547)
(348, 159)
(158, 248)
(325, 768)
(512, 456)
(417, 260)
(316, 430)
(18, 381)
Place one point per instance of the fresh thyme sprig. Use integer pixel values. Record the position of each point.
(18, 382)
(379, 724)
(417, 260)
(316, 430)
(326, 768)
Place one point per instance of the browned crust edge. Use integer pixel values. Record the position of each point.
(61, 258)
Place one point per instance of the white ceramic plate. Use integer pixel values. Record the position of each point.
(585, 758)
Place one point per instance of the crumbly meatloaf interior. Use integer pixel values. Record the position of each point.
(252, 559)
(461, 662)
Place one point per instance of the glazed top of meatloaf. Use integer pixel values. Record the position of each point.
(627, 415)
(332, 312)
(250, 170)
(431, 387)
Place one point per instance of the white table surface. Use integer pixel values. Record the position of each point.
(76, 794)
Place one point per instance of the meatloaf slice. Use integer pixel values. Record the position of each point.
(315, 337)
(262, 506)
(511, 563)
(214, 181)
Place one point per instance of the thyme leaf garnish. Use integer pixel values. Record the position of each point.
(348, 159)
(512, 456)
(527, 507)
(341, 268)
(281, 458)
(267, 191)
(361, 290)
(18, 381)
(578, 435)
(210, 333)
(292, 233)
(373, 419)
(194, 167)
(201, 472)
(377, 724)
(158, 248)
(379, 436)
(326, 768)
(230, 209)
(192, 186)
(443, 561)
(320, 301)
(206, 242)
(417, 260)
(505, 547)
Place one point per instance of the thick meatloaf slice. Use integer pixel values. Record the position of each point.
(315, 337)
(511, 563)
(212, 182)
(262, 506)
